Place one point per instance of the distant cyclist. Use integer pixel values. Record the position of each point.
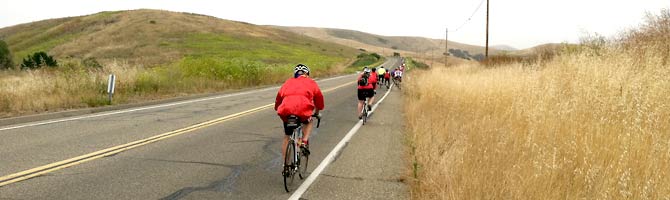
(376, 79)
(366, 89)
(387, 78)
(397, 75)
(381, 72)
(299, 96)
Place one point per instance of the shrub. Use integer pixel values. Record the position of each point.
(5, 56)
(376, 56)
(365, 59)
(37, 60)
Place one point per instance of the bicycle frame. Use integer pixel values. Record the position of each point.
(297, 151)
(295, 137)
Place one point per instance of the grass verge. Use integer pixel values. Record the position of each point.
(591, 123)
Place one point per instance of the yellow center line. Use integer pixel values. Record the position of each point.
(37, 171)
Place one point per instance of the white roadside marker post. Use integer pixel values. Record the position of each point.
(110, 87)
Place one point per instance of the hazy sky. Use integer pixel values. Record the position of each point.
(519, 23)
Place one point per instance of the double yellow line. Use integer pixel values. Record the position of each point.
(37, 171)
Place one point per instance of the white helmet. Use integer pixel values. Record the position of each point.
(301, 67)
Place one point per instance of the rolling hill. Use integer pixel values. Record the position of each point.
(386, 44)
(153, 37)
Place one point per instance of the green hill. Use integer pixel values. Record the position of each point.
(152, 37)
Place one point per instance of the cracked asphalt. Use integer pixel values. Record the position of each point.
(236, 159)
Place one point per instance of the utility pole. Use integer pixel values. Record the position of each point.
(487, 28)
(446, 46)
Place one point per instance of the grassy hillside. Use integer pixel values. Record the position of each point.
(151, 37)
(155, 54)
(589, 123)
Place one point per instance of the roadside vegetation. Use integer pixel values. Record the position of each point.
(177, 54)
(590, 122)
(6, 61)
(366, 59)
(414, 64)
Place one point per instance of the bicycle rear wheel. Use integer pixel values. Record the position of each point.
(365, 113)
(289, 165)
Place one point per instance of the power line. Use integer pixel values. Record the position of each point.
(470, 18)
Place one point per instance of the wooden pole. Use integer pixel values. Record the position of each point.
(487, 28)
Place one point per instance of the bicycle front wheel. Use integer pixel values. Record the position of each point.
(289, 165)
(304, 160)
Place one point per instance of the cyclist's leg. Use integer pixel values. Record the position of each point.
(361, 101)
(372, 97)
(306, 130)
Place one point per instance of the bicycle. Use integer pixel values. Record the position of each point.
(396, 82)
(296, 160)
(365, 110)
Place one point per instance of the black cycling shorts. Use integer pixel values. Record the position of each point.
(365, 93)
(289, 130)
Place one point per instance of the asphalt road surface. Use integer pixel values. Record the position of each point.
(228, 157)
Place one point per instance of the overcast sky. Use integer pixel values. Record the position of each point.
(519, 23)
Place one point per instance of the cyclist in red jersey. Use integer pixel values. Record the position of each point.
(366, 91)
(376, 77)
(299, 96)
(387, 76)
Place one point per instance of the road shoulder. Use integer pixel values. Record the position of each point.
(371, 166)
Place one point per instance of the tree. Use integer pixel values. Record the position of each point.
(5, 56)
(37, 60)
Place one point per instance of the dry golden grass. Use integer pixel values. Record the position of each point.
(593, 123)
(38, 91)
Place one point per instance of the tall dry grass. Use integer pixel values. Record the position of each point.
(71, 86)
(592, 123)
(75, 85)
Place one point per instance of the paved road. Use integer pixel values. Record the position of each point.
(236, 159)
(372, 164)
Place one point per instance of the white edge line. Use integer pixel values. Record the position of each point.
(331, 156)
(148, 107)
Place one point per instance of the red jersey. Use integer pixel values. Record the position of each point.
(372, 80)
(387, 75)
(298, 96)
